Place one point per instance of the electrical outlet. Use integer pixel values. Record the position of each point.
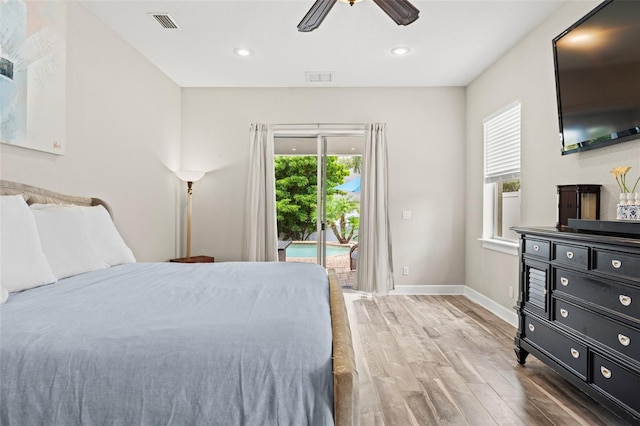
(406, 214)
(405, 270)
(511, 292)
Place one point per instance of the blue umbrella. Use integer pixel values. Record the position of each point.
(350, 186)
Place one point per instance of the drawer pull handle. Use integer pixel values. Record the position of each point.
(532, 327)
(624, 340)
(616, 263)
(570, 254)
(536, 247)
(625, 300)
(575, 353)
(564, 313)
(605, 372)
(564, 281)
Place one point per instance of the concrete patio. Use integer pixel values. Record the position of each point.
(340, 263)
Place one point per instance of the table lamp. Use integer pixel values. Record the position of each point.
(189, 176)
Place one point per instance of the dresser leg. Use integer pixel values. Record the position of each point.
(521, 355)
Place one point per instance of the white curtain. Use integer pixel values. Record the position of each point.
(261, 234)
(375, 266)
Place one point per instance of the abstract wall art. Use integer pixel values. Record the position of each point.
(33, 74)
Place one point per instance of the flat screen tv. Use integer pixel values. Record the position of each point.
(597, 68)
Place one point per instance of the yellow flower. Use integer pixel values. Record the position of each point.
(617, 171)
(620, 174)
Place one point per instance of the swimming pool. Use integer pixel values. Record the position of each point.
(310, 250)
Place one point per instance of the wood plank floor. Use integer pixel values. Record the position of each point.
(443, 360)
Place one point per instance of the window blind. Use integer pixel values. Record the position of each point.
(502, 145)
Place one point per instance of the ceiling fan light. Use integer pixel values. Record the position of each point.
(401, 11)
(400, 50)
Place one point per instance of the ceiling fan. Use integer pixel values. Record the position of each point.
(401, 11)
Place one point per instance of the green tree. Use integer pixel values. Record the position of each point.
(511, 186)
(352, 162)
(296, 193)
(343, 227)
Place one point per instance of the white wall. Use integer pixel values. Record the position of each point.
(123, 136)
(526, 74)
(125, 120)
(426, 155)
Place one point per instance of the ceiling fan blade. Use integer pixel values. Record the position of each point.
(315, 15)
(401, 11)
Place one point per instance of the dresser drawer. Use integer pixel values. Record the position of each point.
(559, 347)
(616, 263)
(616, 381)
(613, 334)
(622, 299)
(571, 255)
(537, 248)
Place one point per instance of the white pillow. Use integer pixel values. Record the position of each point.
(105, 237)
(65, 240)
(23, 263)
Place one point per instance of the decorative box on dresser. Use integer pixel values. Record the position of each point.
(579, 311)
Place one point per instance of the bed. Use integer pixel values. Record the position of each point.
(169, 343)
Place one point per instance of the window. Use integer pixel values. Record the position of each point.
(502, 179)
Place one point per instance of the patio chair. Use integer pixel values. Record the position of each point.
(282, 250)
(353, 256)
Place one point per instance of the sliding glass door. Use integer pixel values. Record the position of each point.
(317, 214)
(301, 188)
(321, 211)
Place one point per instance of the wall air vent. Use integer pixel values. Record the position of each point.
(319, 76)
(165, 20)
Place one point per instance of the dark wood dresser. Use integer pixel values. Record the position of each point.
(579, 311)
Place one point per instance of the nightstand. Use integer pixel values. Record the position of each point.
(194, 259)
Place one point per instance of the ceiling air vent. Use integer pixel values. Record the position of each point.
(165, 20)
(319, 76)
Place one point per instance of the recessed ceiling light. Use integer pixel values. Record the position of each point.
(399, 51)
(243, 51)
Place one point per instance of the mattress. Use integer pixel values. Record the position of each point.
(168, 343)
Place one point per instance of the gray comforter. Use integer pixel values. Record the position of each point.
(166, 343)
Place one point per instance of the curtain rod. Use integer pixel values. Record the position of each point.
(318, 129)
(359, 126)
(319, 124)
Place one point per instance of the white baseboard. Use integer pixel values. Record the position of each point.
(500, 311)
(508, 315)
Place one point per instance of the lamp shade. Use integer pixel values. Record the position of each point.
(189, 175)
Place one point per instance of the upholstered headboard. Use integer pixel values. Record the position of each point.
(33, 195)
